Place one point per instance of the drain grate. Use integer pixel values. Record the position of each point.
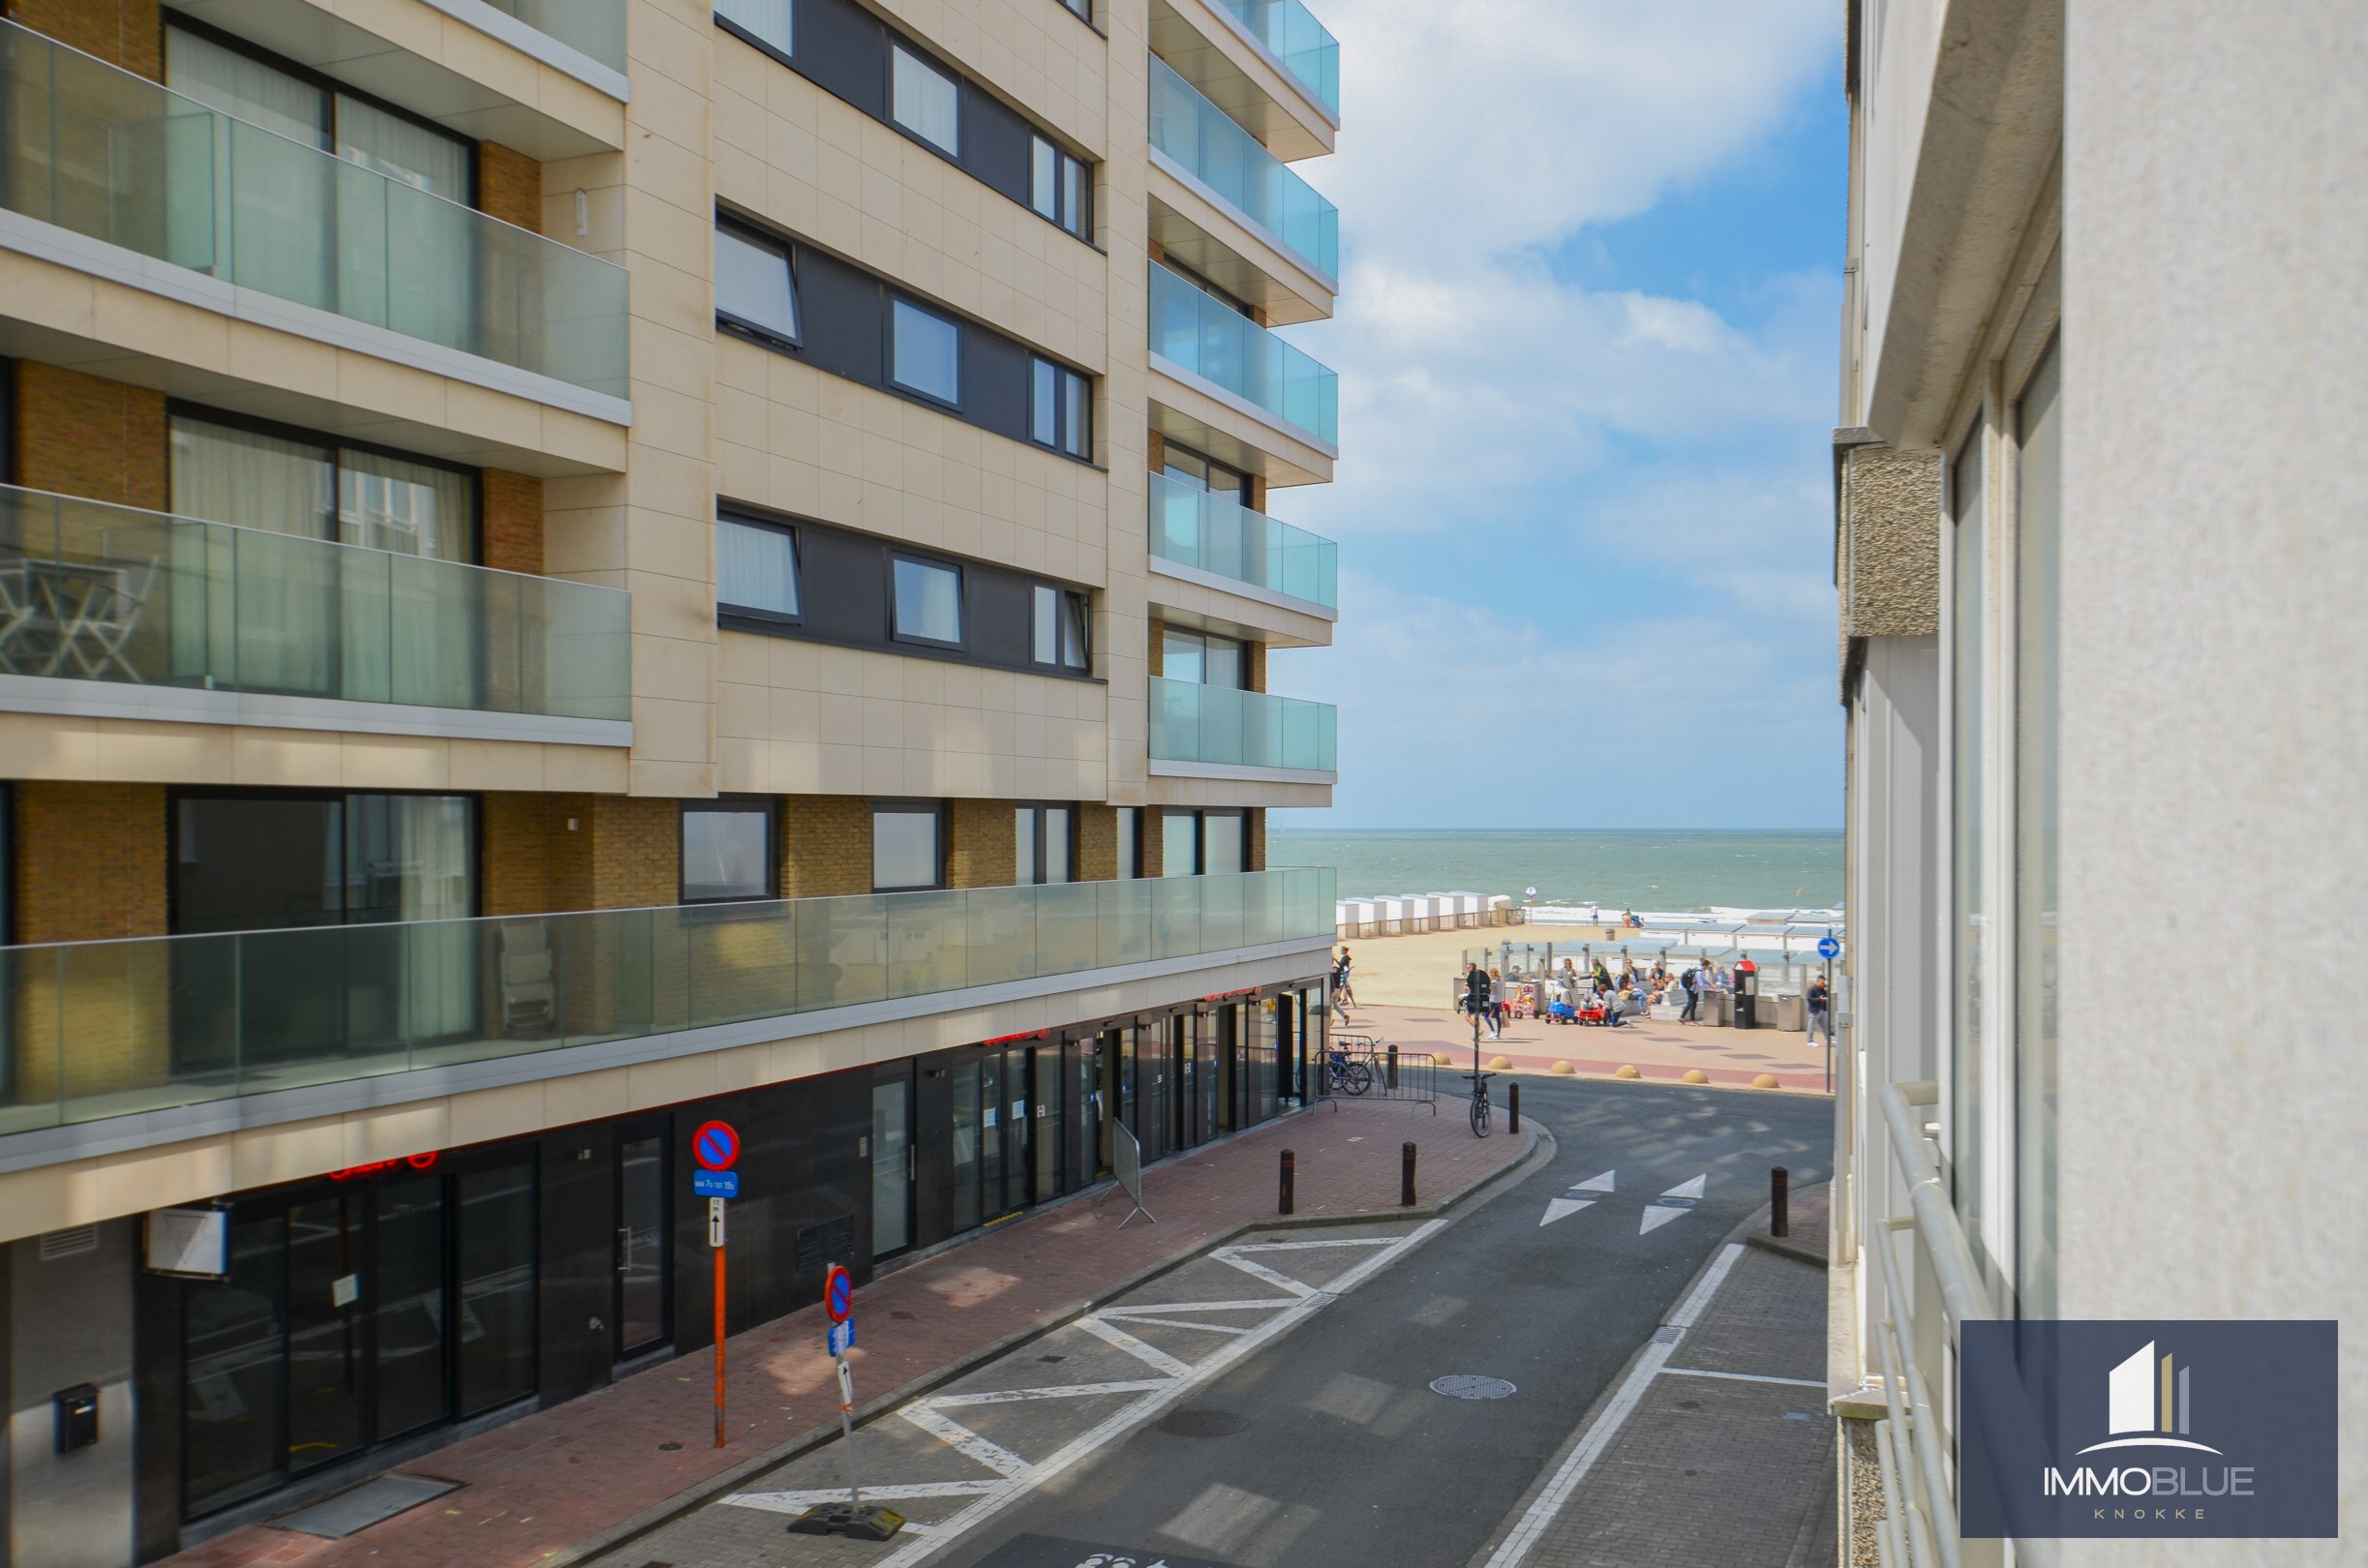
(1201, 1424)
(1465, 1386)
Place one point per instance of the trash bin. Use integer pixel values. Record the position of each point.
(1792, 1011)
(1746, 998)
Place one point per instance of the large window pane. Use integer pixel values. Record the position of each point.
(1046, 603)
(754, 284)
(925, 101)
(412, 508)
(239, 84)
(1222, 846)
(2038, 536)
(966, 1150)
(727, 853)
(1130, 849)
(928, 601)
(891, 1227)
(641, 1231)
(226, 474)
(1023, 844)
(1184, 656)
(769, 19)
(497, 1286)
(1045, 403)
(410, 857)
(255, 864)
(1044, 179)
(326, 1323)
(1969, 913)
(1180, 844)
(418, 155)
(408, 1362)
(1076, 645)
(1057, 840)
(756, 568)
(230, 1349)
(929, 353)
(904, 850)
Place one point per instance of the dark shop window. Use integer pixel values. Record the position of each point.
(727, 851)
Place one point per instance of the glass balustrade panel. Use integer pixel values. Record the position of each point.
(1293, 36)
(1201, 334)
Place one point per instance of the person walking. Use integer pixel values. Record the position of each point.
(1341, 988)
(1820, 1010)
(1496, 1004)
(1692, 981)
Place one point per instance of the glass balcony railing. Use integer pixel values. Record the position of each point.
(596, 27)
(91, 591)
(1193, 528)
(116, 156)
(1295, 38)
(1202, 333)
(99, 1029)
(1226, 158)
(1192, 723)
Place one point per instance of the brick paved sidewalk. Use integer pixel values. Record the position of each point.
(555, 1480)
(1660, 1052)
(1725, 1455)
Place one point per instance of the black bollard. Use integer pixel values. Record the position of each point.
(1780, 1202)
(1290, 1182)
(1406, 1176)
(1391, 1080)
(1512, 1095)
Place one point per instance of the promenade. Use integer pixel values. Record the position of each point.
(1660, 1052)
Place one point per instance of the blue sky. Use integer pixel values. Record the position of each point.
(1586, 345)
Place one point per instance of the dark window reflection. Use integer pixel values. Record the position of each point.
(497, 1286)
(231, 1389)
(409, 1363)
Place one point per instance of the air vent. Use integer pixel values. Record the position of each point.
(70, 1243)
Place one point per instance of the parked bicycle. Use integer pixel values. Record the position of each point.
(1346, 1075)
(1480, 1102)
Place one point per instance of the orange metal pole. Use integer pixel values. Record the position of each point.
(720, 1251)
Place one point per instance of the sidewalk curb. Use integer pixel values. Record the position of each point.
(700, 1494)
(1783, 1247)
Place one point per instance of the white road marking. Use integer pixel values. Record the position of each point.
(1688, 1189)
(1307, 1246)
(1657, 1215)
(1741, 1377)
(1564, 1208)
(1262, 1302)
(1607, 1424)
(966, 1442)
(1089, 1444)
(1227, 1254)
(1063, 1391)
(1150, 1355)
(1598, 1184)
(1173, 1322)
(797, 1502)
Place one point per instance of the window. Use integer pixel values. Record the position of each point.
(1059, 405)
(754, 286)
(756, 568)
(1204, 474)
(770, 21)
(1084, 8)
(280, 859)
(928, 602)
(1057, 187)
(1198, 843)
(1059, 627)
(925, 101)
(1045, 844)
(1203, 659)
(276, 479)
(1129, 842)
(727, 851)
(1180, 844)
(907, 847)
(927, 352)
(2038, 547)
(1222, 846)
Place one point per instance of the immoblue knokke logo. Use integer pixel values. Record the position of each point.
(2206, 1429)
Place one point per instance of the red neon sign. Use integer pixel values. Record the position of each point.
(417, 1161)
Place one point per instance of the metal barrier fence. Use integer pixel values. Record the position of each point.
(1363, 1066)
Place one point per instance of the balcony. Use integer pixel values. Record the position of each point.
(1220, 726)
(105, 1029)
(115, 157)
(1198, 333)
(1229, 161)
(1293, 36)
(1224, 538)
(595, 28)
(131, 603)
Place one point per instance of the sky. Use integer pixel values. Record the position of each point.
(1587, 339)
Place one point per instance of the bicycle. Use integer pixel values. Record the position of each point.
(1479, 1083)
(1345, 1075)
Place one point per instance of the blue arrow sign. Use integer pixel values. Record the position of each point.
(722, 1184)
(1828, 948)
(842, 1337)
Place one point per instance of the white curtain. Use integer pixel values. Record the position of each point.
(414, 631)
(412, 858)
(249, 610)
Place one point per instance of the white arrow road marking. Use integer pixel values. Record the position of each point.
(1564, 1208)
(1655, 1216)
(1688, 1189)
(1597, 1184)
(1150, 1355)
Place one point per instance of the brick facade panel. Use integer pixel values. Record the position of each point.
(509, 185)
(982, 844)
(129, 32)
(826, 845)
(83, 436)
(513, 531)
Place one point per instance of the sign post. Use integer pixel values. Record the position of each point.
(850, 1518)
(716, 1147)
(1828, 948)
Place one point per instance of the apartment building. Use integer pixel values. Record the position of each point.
(574, 567)
(2102, 625)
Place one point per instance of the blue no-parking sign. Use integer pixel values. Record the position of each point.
(1828, 948)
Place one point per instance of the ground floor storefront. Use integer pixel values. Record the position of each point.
(346, 1322)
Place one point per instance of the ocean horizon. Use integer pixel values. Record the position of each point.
(1660, 869)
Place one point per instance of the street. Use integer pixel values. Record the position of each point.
(1271, 1403)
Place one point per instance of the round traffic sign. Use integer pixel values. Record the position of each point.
(1828, 948)
(715, 1146)
(838, 1295)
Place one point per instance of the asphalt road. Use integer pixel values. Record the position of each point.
(1342, 1456)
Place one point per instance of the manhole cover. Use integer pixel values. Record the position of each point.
(1201, 1424)
(1465, 1386)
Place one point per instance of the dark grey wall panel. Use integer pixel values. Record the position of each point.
(577, 1242)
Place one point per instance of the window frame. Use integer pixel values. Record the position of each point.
(1129, 842)
(962, 601)
(1071, 411)
(935, 810)
(175, 793)
(898, 301)
(1073, 654)
(899, 48)
(785, 51)
(1038, 811)
(797, 571)
(787, 249)
(1072, 207)
(333, 445)
(729, 805)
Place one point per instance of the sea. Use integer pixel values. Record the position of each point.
(1641, 869)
